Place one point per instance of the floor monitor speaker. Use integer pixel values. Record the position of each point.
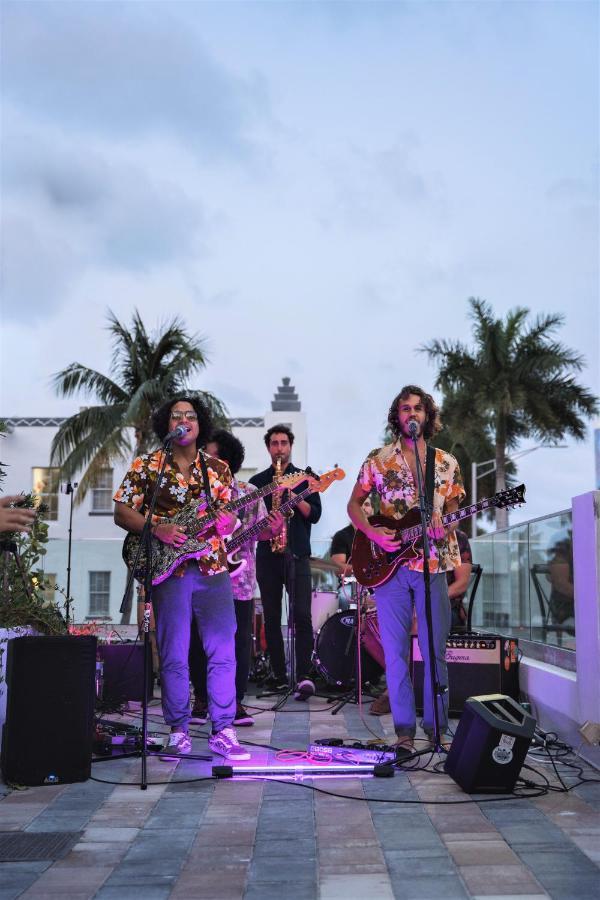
(490, 745)
(123, 676)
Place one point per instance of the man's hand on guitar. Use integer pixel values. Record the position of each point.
(436, 530)
(173, 535)
(385, 537)
(224, 522)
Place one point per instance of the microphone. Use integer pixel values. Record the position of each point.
(413, 428)
(177, 432)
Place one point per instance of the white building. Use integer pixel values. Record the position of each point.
(98, 575)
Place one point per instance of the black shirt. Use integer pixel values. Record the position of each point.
(342, 541)
(298, 526)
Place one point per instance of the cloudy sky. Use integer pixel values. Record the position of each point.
(316, 187)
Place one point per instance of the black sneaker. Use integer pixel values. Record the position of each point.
(243, 717)
(304, 689)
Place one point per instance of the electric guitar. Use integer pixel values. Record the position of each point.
(373, 565)
(198, 522)
(234, 541)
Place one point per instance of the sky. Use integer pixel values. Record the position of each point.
(317, 188)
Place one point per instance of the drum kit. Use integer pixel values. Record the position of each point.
(336, 616)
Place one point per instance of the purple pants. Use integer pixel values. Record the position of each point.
(208, 600)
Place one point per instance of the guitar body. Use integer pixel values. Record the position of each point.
(164, 558)
(372, 564)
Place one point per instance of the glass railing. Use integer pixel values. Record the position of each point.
(526, 589)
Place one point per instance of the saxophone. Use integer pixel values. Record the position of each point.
(279, 542)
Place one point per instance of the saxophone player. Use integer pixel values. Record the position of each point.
(285, 561)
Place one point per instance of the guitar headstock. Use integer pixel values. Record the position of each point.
(326, 479)
(514, 496)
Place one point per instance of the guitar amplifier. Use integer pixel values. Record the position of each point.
(477, 664)
(124, 672)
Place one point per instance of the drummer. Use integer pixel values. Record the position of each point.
(341, 555)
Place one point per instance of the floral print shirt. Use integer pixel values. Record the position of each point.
(176, 491)
(387, 472)
(245, 583)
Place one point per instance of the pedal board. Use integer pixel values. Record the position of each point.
(351, 753)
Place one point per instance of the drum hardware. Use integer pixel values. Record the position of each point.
(336, 656)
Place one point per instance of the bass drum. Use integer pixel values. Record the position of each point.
(335, 650)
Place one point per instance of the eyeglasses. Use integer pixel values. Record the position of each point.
(179, 416)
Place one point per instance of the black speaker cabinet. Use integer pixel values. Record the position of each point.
(477, 664)
(47, 736)
(490, 745)
(124, 672)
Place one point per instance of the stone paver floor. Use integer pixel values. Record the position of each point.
(413, 836)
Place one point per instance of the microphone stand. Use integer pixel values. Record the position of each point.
(437, 690)
(70, 490)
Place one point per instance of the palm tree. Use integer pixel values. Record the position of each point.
(517, 382)
(146, 371)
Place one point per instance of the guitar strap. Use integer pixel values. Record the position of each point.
(429, 480)
(205, 481)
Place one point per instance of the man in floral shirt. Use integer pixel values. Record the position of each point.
(390, 471)
(228, 448)
(199, 590)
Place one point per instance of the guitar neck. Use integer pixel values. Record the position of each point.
(243, 501)
(255, 529)
(411, 534)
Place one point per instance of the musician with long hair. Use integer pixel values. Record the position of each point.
(391, 472)
(198, 590)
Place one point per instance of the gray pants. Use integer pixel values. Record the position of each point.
(394, 611)
(209, 601)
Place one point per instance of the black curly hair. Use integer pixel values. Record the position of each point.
(279, 429)
(231, 450)
(162, 416)
(433, 423)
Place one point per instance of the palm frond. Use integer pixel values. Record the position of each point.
(77, 377)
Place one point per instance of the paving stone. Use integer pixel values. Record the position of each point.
(266, 890)
(355, 887)
(401, 863)
(489, 879)
(430, 887)
(143, 891)
(281, 849)
(263, 868)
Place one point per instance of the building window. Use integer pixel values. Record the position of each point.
(49, 591)
(46, 486)
(102, 492)
(99, 594)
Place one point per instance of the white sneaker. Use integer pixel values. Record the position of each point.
(178, 743)
(225, 742)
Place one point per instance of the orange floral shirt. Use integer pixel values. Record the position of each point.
(387, 472)
(176, 491)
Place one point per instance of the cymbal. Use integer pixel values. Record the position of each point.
(322, 564)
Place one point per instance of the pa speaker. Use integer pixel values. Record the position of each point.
(477, 664)
(47, 736)
(123, 676)
(490, 745)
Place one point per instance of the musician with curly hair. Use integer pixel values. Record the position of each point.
(197, 591)
(391, 472)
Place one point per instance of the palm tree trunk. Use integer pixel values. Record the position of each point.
(501, 514)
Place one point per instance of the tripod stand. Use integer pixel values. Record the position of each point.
(354, 694)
